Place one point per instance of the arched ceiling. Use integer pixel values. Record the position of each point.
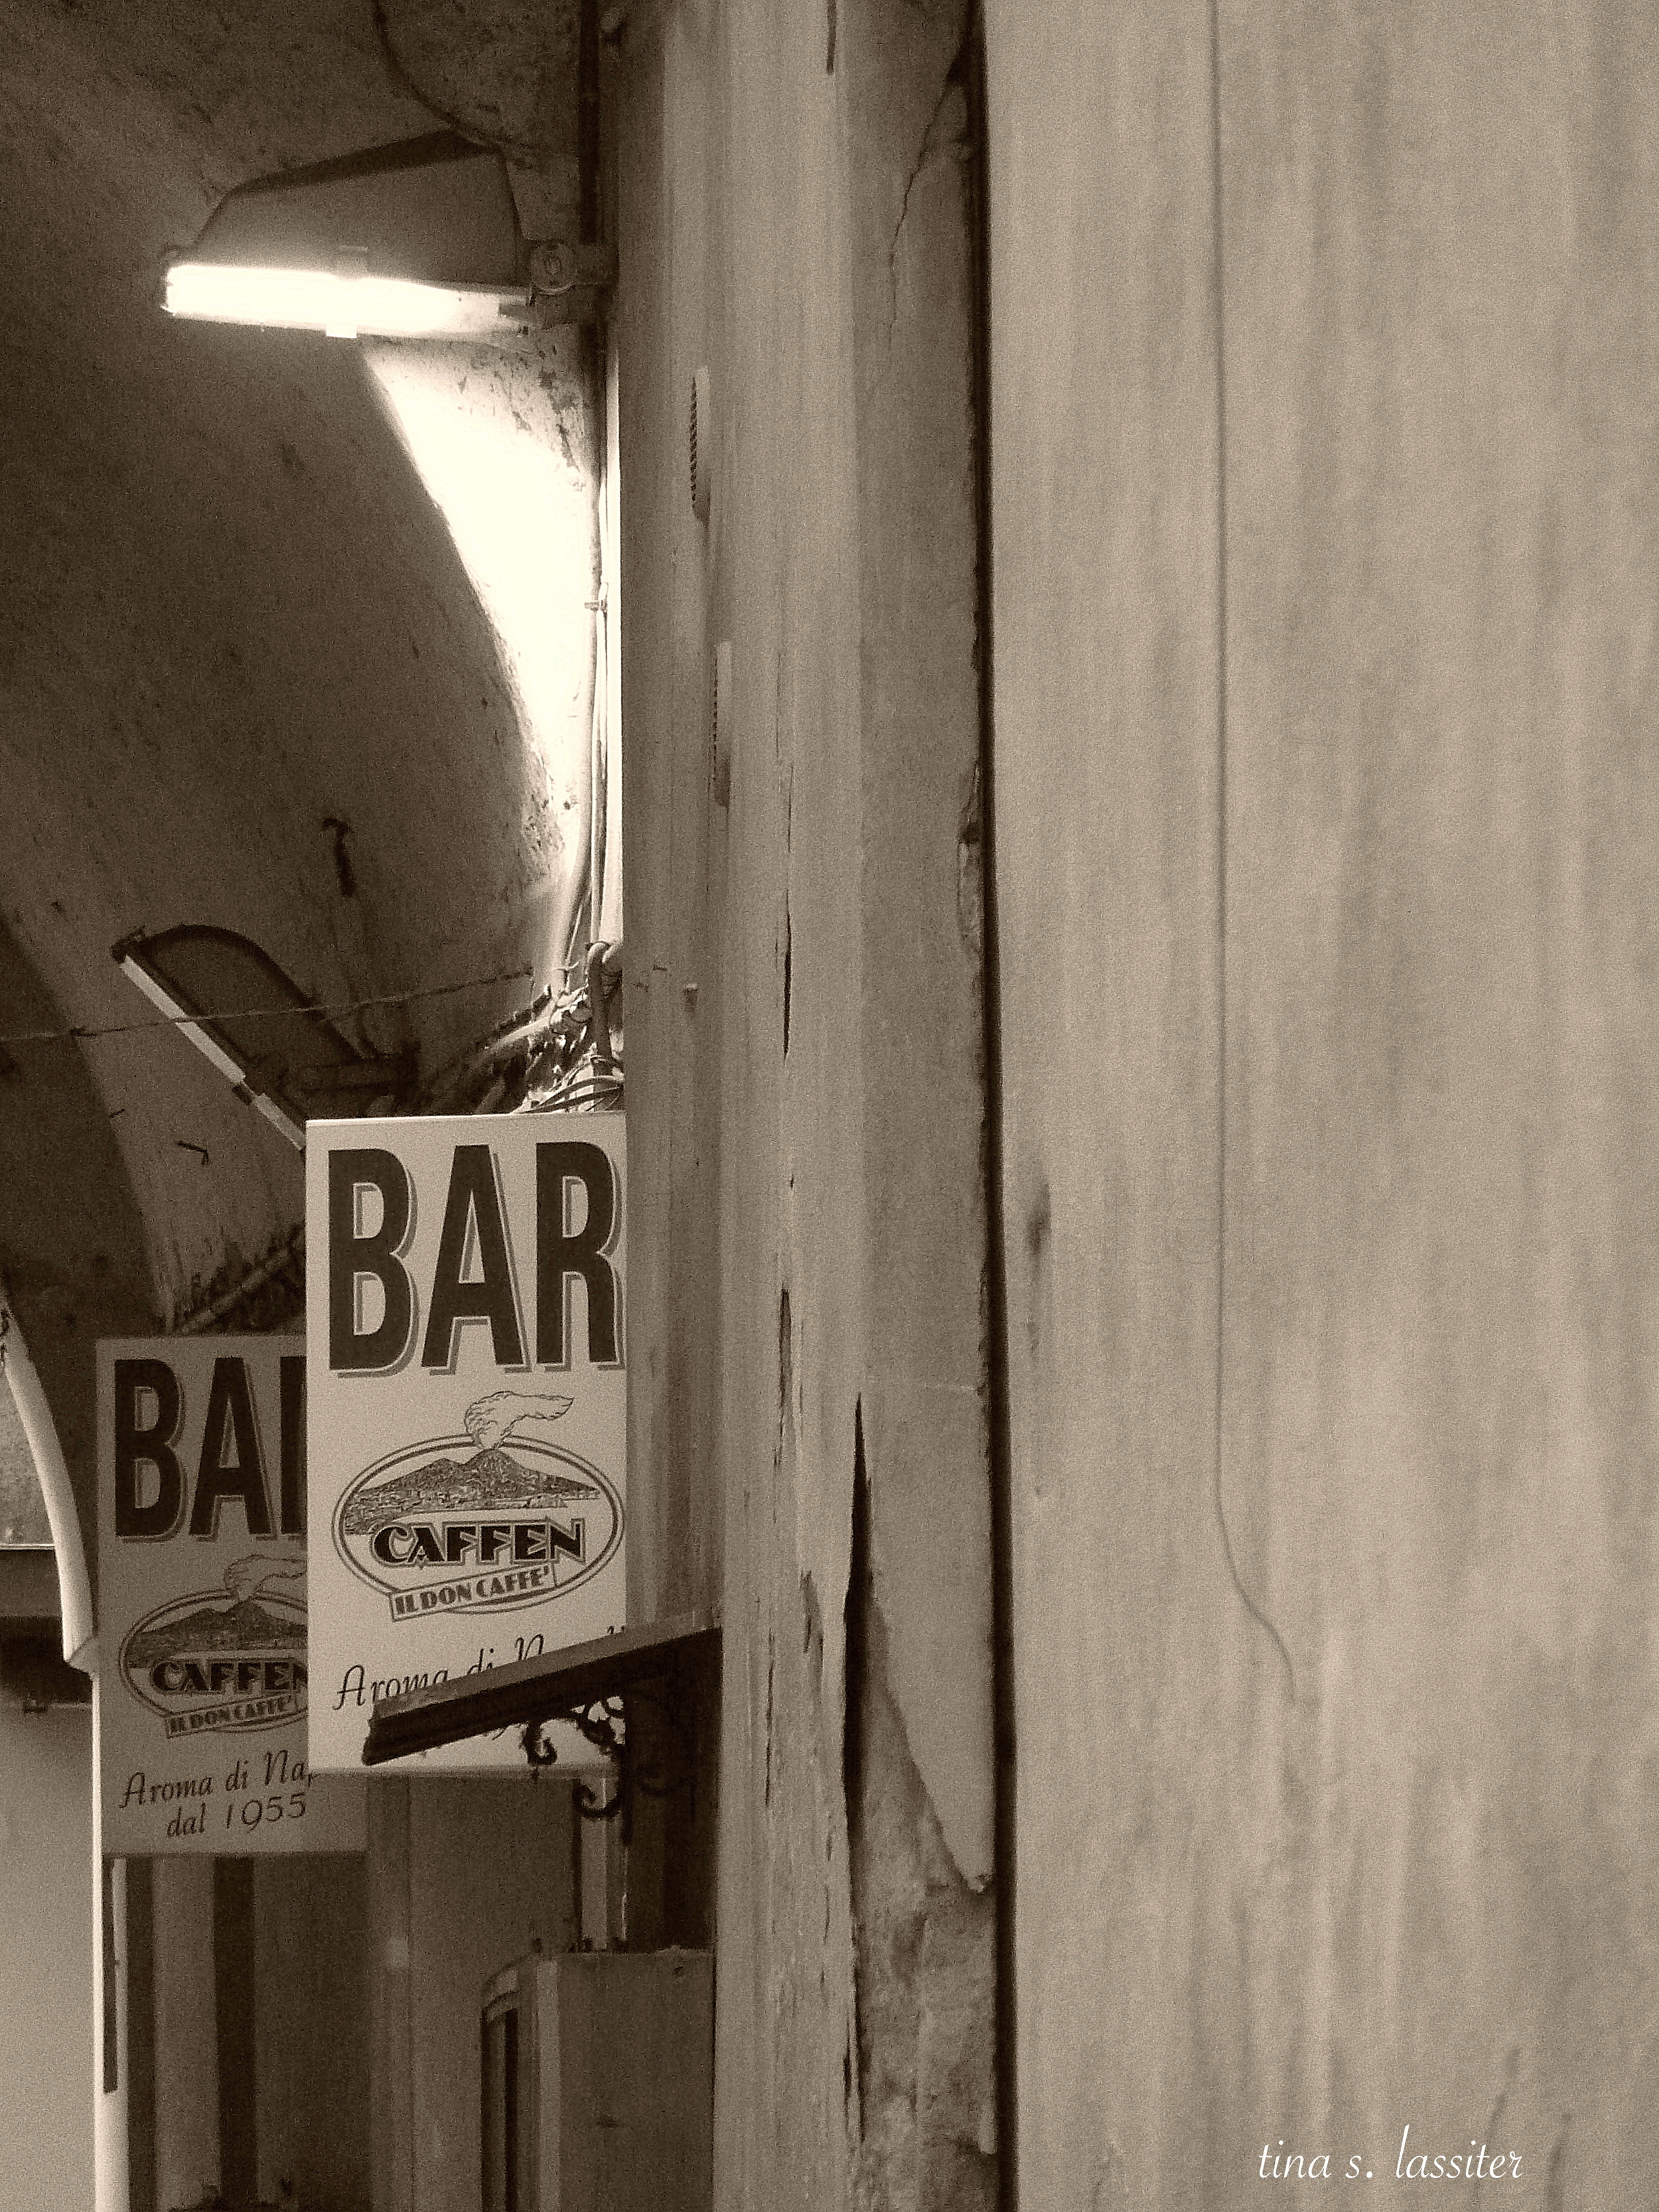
(229, 615)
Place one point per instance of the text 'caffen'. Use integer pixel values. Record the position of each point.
(474, 1277)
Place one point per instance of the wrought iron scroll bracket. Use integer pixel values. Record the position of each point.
(603, 1722)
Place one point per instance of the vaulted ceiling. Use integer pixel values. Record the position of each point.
(232, 620)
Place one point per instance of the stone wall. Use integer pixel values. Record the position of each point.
(807, 1115)
(1321, 350)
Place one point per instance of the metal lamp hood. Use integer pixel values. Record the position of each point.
(417, 239)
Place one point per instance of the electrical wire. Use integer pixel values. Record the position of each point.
(80, 1034)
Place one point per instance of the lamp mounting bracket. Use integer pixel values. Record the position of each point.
(569, 283)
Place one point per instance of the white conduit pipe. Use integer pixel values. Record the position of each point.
(599, 731)
(73, 1589)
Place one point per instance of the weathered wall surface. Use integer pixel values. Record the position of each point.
(47, 2047)
(805, 1120)
(311, 2045)
(465, 1875)
(1325, 793)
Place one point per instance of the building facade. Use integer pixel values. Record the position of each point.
(1133, 752)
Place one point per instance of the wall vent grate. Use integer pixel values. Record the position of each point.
(701, 440)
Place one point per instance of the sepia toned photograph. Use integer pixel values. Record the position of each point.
(829, 918)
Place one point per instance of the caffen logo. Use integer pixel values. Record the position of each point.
(463, 1524)
(221, 1661)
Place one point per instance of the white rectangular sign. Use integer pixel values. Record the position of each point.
(202, 1603)
(468, 1408)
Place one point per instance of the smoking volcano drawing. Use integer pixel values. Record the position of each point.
(438, 1528)
(224, 1660)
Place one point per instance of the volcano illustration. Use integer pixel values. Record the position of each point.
(490, 1480)
(242, 1625)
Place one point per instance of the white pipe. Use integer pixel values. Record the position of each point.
(610, 908)
(599, 748)
(74, 1587)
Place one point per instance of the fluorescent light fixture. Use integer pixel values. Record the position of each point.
(159, 996)
(419, 239)
(279, 1052)
(342, 307)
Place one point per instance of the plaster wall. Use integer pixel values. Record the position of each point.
(49, 2048)
(465, 1874)
(1325, 750)
(803, 1003)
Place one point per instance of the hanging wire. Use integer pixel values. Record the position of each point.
(80, 1034)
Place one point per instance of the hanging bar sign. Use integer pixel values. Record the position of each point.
(465, 1310)
(202, 1677)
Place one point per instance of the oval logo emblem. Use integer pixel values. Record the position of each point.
(450, 1526)
(213, 1661)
